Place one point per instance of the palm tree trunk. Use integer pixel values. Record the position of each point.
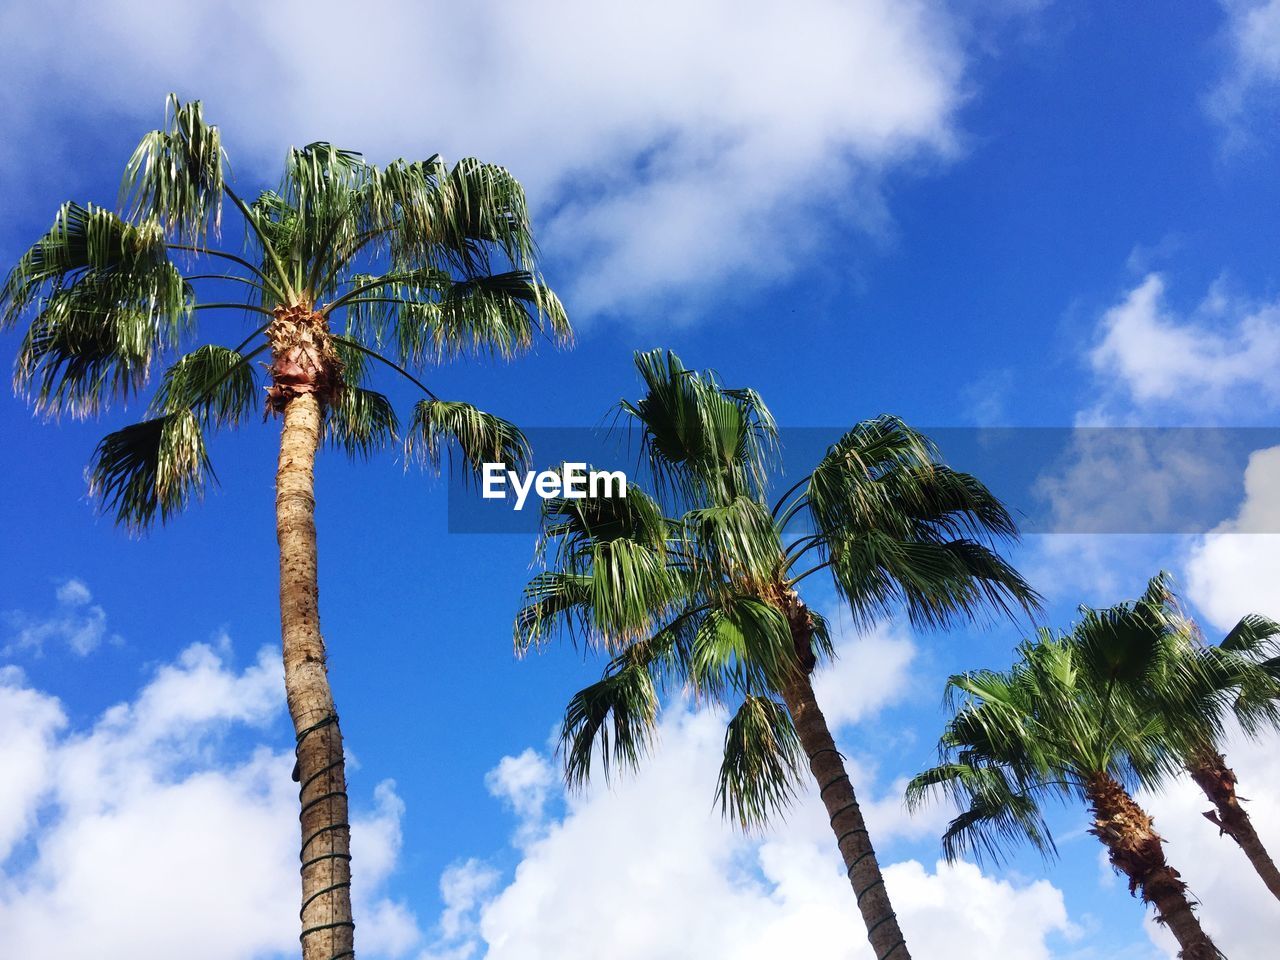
(328, 931)
(1209, 770)
(836, 791)
(1137, 851)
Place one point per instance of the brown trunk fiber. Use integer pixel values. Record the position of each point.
(1137, 851)
(1209, 770)
(836, 791)
(328, 932)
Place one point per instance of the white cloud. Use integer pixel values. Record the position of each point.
(1235, 569)
(77, 622)
(669, 146)
(1134, 480)
(523, 782)
(1253, 72)
(1223, 350)
(1237, 911)
(149, 835)
(31, 722)
(648, 868)
(870, 670)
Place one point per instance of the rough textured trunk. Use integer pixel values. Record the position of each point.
(1209, 770)
(1136, 850)
(836, 791)
(328, 932)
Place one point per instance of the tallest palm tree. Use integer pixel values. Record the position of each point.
(346, 268)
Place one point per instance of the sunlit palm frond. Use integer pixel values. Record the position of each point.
(151, 470)
(479, 437)
(762, 764)
(742, 646)
(701, 439)
(994, 817)
(175, 176)
(616, 717)
(361, 422)
(938, 583)
(217, 383)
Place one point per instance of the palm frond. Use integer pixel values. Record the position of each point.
(553, 600)
(1253, 635)
(434, 317)
(701, 439)
(734, 539)
(616, 716)
(217, 383)
(762, 765)
(361, 422)
(744, 646)
(996, 815)
(175, 176)
(939, 583)
(151, 469)
(479, 437)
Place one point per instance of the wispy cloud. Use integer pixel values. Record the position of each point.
(1251, 81)
(75, 622)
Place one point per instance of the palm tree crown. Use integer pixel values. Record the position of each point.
(355, 265)
(695, 586)
(1075, 719)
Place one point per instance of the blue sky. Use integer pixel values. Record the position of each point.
(1026, 214)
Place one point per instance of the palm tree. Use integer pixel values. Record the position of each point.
(1195, 687)
(697, 586)
(1252, 686)
(344, 266)
(1055, 726)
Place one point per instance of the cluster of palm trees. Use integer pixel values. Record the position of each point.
(1130, 697)
(348, 269)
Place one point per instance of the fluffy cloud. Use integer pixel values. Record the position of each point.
(150, 835)
(1236, 569)
(669, 146)
(1224, 349)
(649, 868)
(76, 622)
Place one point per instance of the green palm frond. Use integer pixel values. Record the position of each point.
(762, 764)
(361, 422)
(175, 176)
(553, 600)
(614, 555)
(938, 582)
(479, 437)
(436, 317)
(572, 525)
(616, 716)
(427, 214)
(106, 301)
(995, 815)
(701, 439)
(216, 383)
(734, 538)
(89, 242)
(151, 469)
(742, 646)
(1254, 635)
